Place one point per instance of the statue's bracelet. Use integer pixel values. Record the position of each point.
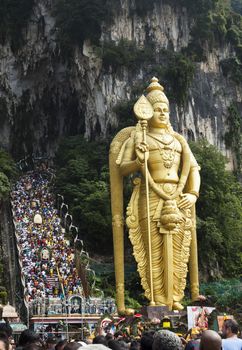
(138, 161)
(195, 193)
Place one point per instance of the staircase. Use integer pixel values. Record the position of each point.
(52, 281)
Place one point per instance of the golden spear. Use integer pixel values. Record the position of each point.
(144, 112)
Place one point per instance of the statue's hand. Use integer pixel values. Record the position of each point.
(140, 150)
(187, 201)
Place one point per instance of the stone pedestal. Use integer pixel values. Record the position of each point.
(155, 311)
(177, 318)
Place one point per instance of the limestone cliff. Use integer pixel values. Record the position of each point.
(43, 96)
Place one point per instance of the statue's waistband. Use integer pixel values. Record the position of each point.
(167, 182)
(168, 187)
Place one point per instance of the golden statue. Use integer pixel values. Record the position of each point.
(161, 211)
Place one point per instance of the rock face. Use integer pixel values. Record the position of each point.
(43, 96)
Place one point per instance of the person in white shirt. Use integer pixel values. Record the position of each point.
(230, 332)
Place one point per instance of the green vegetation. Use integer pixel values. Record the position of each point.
(14, 17)
(232, 68)
(175, 70)
(125, 54)
(78, 20)
(125, 113)
(124, 109)
(224, 293)
(7, 173)
(3, 292)
(176, 73)
(105, 280)
(199, 7)
(216, 22)
(219, 215)
(233, 137)
(237, 6)
(4, 186)
(3, 110)
(210, 23)
(142, 7)
(82, 178)
(3, 297)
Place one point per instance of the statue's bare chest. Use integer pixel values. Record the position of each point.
(164, 149)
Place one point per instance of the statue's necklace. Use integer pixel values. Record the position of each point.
(166, 139)
(167, 154)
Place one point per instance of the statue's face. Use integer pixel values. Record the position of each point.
(160, 118)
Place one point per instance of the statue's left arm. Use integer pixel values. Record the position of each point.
(191, 193)
(194, 180)
(192, 187)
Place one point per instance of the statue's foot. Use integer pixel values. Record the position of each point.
(177, 306)
(126, 312)
(129, 312)
(159, 304)
(201, 298)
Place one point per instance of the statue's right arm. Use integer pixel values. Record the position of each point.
(130, 163)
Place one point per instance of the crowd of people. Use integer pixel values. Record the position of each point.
(46, 259)
(45, 255)
(149, 340)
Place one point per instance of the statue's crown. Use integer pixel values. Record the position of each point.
(155, 92)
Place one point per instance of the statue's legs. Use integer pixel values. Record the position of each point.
(157, 262)
(156, 246)
(181, 252)
(178, 254)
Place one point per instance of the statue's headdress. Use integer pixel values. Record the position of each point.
(155, 92)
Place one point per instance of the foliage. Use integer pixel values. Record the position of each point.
(125, 53)
(4, 186)
(232, 68)
(14, 16)
(176, 72)
(133, 285)
(233, 137)
(124, 110)
(176, 69)
(142, 7)
(3, 297)
(7, 172)
(3, 109)
(131, 302)
(219, 215)
(199, 6)
(223, 293)
(215, 22)
(78, 20)
(105, 280)
(82, 178)
(7, 165)
(237, 6)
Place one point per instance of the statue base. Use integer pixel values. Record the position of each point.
(160, 312)
(154, 311)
